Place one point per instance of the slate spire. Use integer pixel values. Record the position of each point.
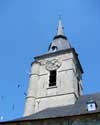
(60, 41)
(60, 29)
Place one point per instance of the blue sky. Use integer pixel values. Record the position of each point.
(26, 29)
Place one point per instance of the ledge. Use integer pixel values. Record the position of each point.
(51, 87)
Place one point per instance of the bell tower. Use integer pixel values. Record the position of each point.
(56, 77)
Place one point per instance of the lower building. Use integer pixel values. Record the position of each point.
(86, 111)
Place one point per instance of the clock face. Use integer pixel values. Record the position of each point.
(52, 64)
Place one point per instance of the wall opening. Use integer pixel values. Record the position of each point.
(52, 78)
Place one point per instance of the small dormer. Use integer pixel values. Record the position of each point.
(91, 105)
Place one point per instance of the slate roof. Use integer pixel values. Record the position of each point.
(60, 41)
(79, 108)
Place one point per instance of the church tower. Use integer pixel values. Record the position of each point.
(56, 77)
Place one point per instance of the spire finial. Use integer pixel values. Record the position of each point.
(60, 29)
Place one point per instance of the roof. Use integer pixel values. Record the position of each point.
(79, 108)
(60, 41)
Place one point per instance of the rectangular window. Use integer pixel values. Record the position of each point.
(52, 78)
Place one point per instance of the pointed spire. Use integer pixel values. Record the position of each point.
(60, 29)
(60, 41)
